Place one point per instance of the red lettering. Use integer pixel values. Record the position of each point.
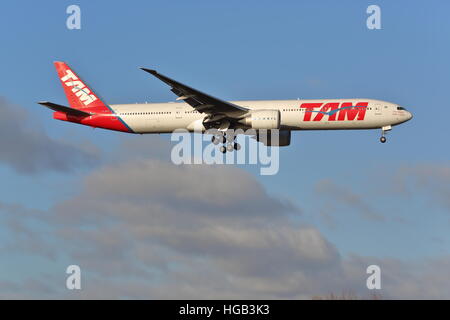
(309, 107)
(351, 113)
(327, 108)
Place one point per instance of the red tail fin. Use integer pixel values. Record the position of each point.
(79, 95)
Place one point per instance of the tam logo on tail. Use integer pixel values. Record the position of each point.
(78, 87)
(78, 93)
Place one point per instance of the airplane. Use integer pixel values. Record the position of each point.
(200, 112)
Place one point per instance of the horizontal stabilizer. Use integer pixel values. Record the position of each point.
(60, 108)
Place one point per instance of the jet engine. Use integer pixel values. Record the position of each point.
(276, 138)
(262, 119)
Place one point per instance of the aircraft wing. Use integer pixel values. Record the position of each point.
(202, 102)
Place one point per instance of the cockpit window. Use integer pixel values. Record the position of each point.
(400, 108)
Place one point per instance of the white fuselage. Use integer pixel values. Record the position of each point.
(322, 114)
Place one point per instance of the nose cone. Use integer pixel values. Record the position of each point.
(409, 116)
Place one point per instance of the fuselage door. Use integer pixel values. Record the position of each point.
(178, 112)
(378, 109)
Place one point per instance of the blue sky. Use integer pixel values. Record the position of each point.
(253, 50)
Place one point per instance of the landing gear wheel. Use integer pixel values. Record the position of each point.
(237, 146)
(230, 147)
(231, 137)
(223, 149)
(215, 140)
(383, 139)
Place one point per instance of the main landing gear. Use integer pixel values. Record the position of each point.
(383, 132)
(228, 141)
(216, 139)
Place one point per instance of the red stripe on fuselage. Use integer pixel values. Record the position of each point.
(105, 121)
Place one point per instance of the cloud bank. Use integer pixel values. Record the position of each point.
(144, 228)
(26, 147)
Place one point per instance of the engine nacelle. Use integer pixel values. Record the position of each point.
(277, 138)
(262, 119)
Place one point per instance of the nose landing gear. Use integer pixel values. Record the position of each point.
(383, 132)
